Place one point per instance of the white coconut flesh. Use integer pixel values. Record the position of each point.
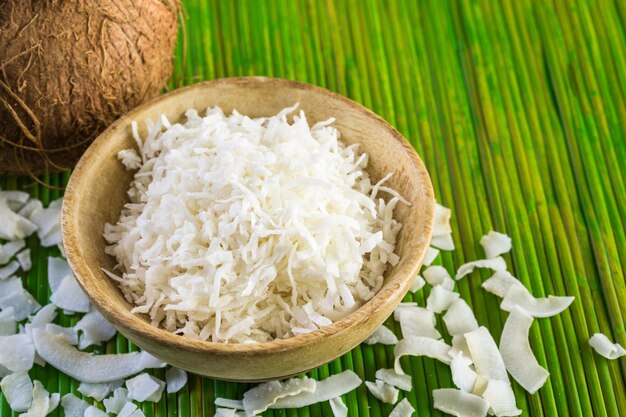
(420, 346)
(9, 269)
(382, 335)
(17, 352)
(604, 347)
(389, 376)
(9, 249)
(128, 410)
(517, 354)
(87, 367)
(459, 403)
(229, 403)
(13, 226)
(99, 391)
(443, 242)
(69, 296)
(48, 222)
(95, 329)
(501, 398)
(497, 264)
(418, 284)
(441, 225)
(69, 333)
(17, 389)
(73, 406)
(58, 269)
(495, 244)
(459, 318)
(463, 376)
(402, 409)
(431, 254)
(485, 354)
(175, 379)
(13, 295)
(40, 405)
(145, 387)
(383, 391)
(331, 387)
(535, 307)
(116, 402)
(92, 411)
(438, 275)
(7, 321)
(500, 283)
(459, 345)
(416, 321)
(225, 412)
(440, 299)
(259, 398)
(24, 259)
(338, 407)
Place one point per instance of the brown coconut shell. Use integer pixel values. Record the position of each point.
(69, 68)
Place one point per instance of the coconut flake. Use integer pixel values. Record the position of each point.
(440, 299)
(7, 321)
(145, 387)
(416, 321)
(403, 409)
(497, 264)
(535, 307)
(225, 412)
(23, 258)
(114, 403)
(17, 389)
(9, 249)
(40, 404)
(438, 275)
(459, 403)
(99, 391)
(96, 329)
(69, 333)
(55, 399)
(382, 335)
(443, 242)
(92, 411)
(501, 398)
(331, 387)
(463, 376)
(129, 158)
(9, 269)
(495, 244)
(70, 297)
(259, 398)
(22, 302)
(430, 256)
(383, 391)
(500, 283)
(58, 269)
(485, 354)
(420, 346)
(43, 316)
(226, 402)
(418, 284)
(604, 347)
(338, 407)
(389, 376)
(176, 379)
(48, 223)
(15, 199)
(73, 406)
(17, 352)
(128, 410)
(441, 225)
(13, 226)
(87, 367)
(459, 345)
(517, 354)
(459, 318)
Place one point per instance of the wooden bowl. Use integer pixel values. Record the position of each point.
(97, 191)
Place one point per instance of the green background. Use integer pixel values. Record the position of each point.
(518, 109)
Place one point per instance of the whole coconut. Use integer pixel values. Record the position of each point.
(68, 68)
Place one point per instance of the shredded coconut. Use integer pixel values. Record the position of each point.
(233, 217)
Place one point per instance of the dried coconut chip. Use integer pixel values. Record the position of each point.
(99, 391)
(228, 403)
(87, 367)
(145, 387)
(497, 264)
(384, 392)
(23, 258)
(440, 299)
(8, 270)
(40, 404)
(69, 333)
(463, 376)
(128, 410)
(485, 354)
(331, 387)
(438, 275)
(9, 249)
(459, 403)
(403, 409)
(459, 318)
(48, 223)
(92, 411)
(73, 406)
(517, 354)
(418, 284)
(338, 407)
(58, 269)
(96, 329)
(441, 225)
(500, 283)
(13, 226)
(420, 346)
(443, 242)
(176, 379)
(13, 295)
(501, 398)
(114, 403)
(259, 398)
(382, 335)
(430, 256)
(17, 352)
(535, 307)
(70, 297)
(416, 321)
(15, 199)
(225, 412)
(604, 347)
(43, 316)
(495, 244)
(7, 321)
(389, 376)
(17, 389)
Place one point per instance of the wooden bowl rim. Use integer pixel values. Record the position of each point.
(389, 293)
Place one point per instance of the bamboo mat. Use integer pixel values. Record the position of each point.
(518, 109)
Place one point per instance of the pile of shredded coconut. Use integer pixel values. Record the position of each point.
(247, 229)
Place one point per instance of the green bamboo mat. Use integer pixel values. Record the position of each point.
(518, 109)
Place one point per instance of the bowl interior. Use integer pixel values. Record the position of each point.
(97, 189)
